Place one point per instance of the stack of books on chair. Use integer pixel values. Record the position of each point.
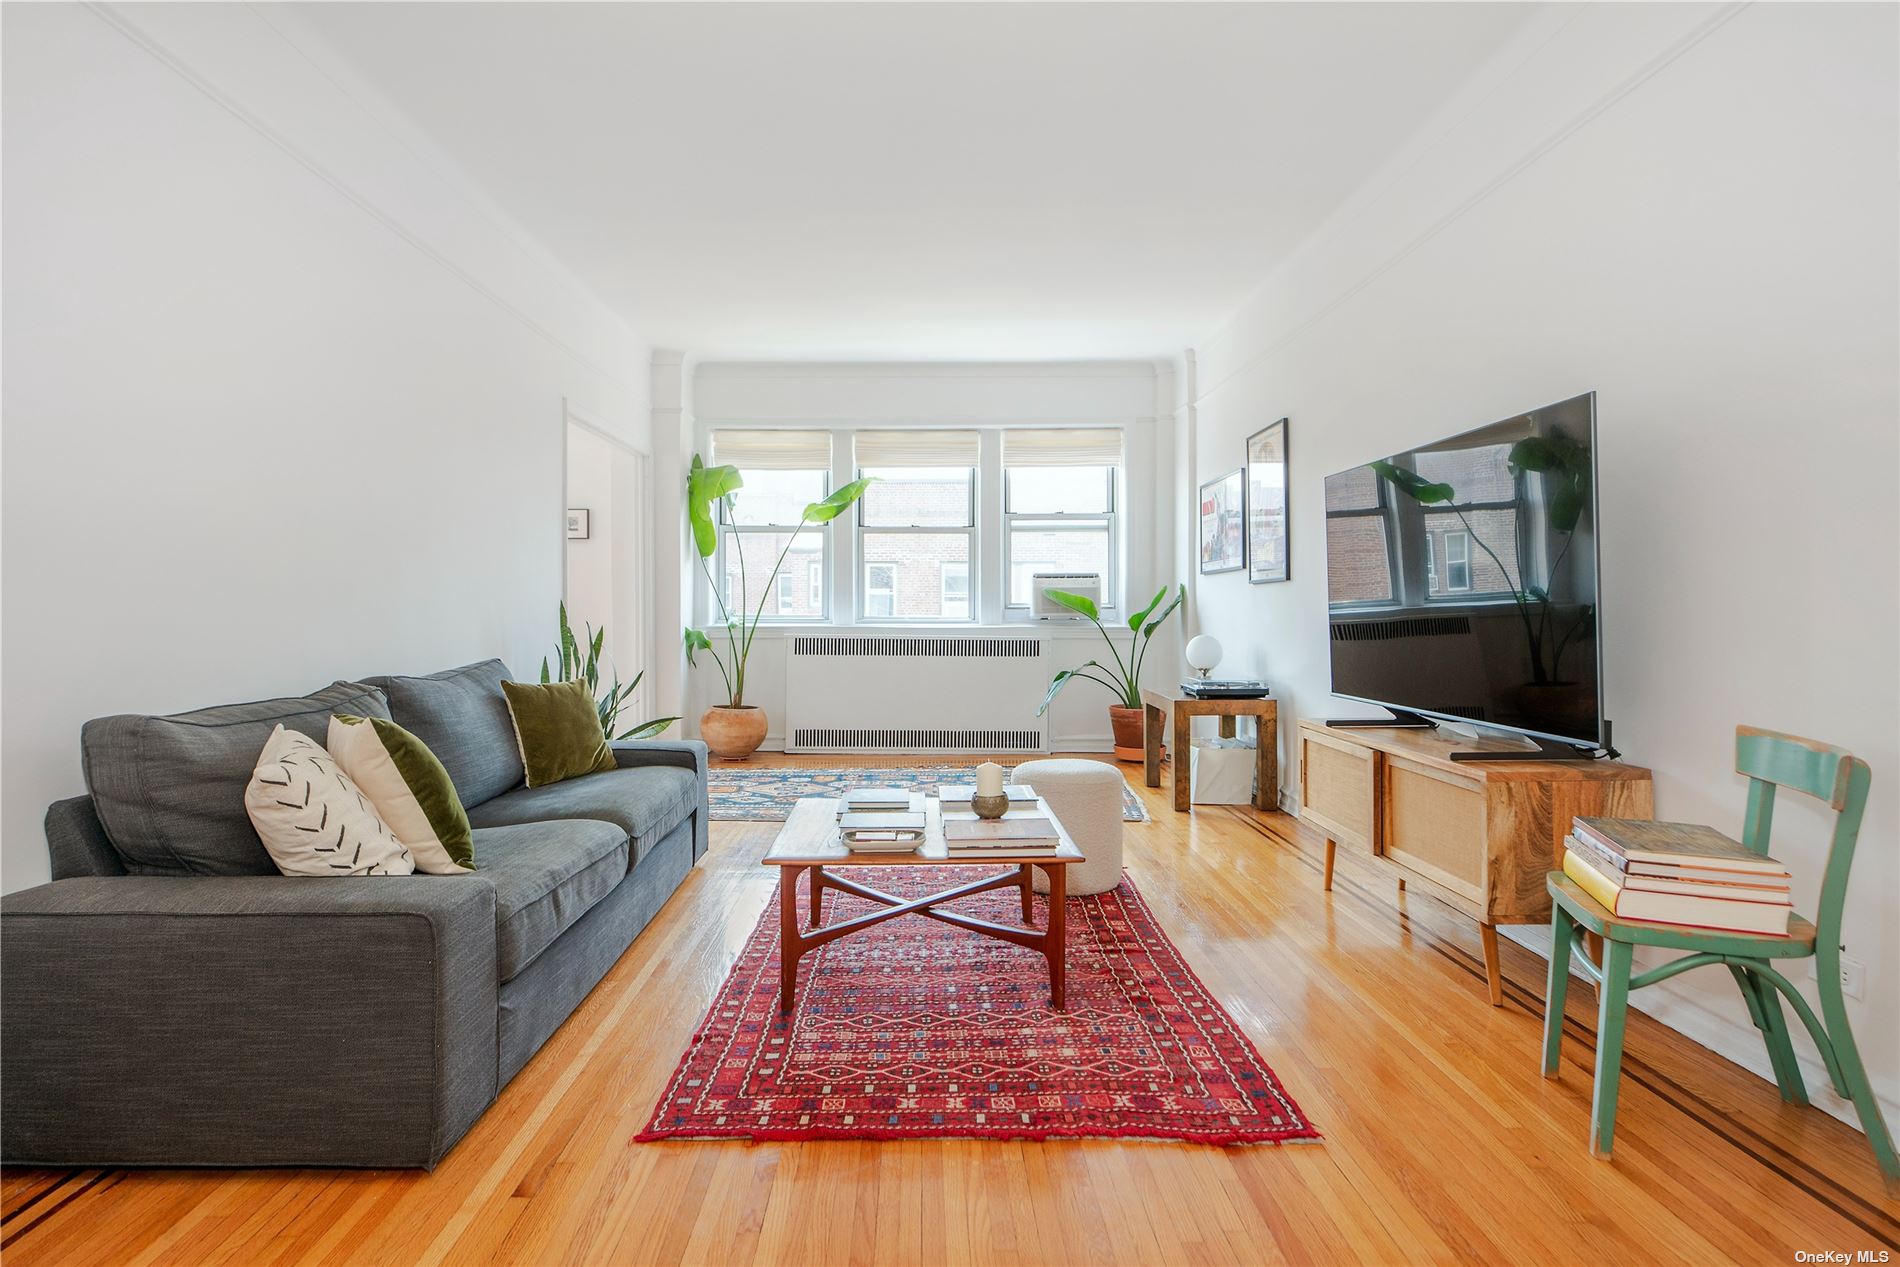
(1678, 873)
(1025, 831)
(881, 820)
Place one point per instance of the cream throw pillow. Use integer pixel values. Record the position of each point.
(312, 819)
(408, 788)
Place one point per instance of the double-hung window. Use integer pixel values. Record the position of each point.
(1486, 508)
(783, 472)
(1457, 561)
(916, 524)
(1360, 564)
(1059, 499)
(954, 580)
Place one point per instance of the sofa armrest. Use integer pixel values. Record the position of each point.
(76, 840)
(690, 754)
(246, 1020)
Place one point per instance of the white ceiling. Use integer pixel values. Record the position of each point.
(995, 181)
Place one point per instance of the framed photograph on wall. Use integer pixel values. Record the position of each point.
(1224, 522)
(579, 523)
(1266, 505)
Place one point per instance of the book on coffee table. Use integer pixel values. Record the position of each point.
(878, 798)
(898, 820)
(1005, 832)
(957, 796)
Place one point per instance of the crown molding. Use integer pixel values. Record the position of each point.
(924, 369)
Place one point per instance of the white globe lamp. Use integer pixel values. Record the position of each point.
(1203, 653)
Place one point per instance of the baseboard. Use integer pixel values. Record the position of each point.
(1742, 1044)
(1082, 743)
(1093, 742)
(1089, 743)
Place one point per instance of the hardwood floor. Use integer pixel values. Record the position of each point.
(1443, 1143)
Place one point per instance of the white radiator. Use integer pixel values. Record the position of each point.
(924, 694)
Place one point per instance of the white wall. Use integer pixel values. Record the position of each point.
(591, 600)
(1128, 394)
(283, 401)
(610, 571)
(1689, 209)
(673, 569)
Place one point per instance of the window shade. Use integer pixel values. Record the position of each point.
(772, 450)
(1069, 446)
(916, 448)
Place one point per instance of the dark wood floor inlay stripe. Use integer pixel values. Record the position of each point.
(1756, 1147)
(14, 1235)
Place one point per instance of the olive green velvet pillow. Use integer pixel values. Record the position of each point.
(557, 726)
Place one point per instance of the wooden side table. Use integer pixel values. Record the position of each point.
(1159, 706)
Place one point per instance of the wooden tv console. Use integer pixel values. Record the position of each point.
(1479, 836)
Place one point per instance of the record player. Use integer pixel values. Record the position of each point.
(1229, 688)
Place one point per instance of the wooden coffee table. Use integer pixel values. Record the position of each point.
(809, 842)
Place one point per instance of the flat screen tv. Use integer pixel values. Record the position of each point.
(1462, 578)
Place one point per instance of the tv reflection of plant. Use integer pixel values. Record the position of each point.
(1565, 466)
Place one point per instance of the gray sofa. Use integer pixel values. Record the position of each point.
(170, 999)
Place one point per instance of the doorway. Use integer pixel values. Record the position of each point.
(608, 555)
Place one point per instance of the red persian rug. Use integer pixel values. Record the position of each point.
(914, 1029)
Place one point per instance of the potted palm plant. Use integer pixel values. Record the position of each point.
(735, 729)
(1123, 678)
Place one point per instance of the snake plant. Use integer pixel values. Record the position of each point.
(579, 660)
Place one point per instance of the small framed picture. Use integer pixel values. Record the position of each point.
(1224, 522)
(579, 524)
(1266, 505)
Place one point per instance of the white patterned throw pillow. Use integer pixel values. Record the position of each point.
(312, 819)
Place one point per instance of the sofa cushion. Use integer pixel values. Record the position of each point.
(463, 718)
(645, 803)
(170, 790)
(546, 876)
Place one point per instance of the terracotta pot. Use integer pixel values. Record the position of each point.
(1127, 724)
(733, 734)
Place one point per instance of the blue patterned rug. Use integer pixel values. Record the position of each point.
(764, 794)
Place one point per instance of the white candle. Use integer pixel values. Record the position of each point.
(989, 779)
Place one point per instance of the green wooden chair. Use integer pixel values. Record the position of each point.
(1770, 761)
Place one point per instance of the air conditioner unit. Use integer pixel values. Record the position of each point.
(1087, 584)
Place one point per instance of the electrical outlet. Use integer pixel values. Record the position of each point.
(1853, 976)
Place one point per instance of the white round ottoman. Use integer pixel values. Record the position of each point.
(1087, 797)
